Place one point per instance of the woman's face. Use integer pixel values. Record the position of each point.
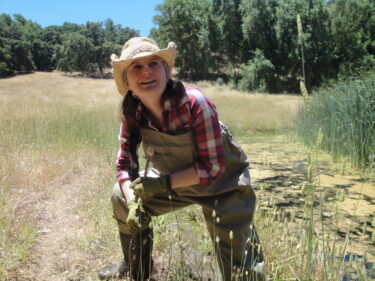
(147, 77)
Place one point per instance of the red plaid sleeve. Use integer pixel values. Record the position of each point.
(207, 133)
(124, 161)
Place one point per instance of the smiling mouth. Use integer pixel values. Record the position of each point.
(148, 82)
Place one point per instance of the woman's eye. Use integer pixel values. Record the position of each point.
(153, 63)
(137, 66)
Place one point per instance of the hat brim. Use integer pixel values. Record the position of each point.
(119, 66)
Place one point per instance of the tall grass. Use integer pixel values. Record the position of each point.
(345, 114)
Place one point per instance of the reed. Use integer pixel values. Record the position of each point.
(345, 112)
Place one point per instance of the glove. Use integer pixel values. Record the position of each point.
(146, 187)
(133, 220)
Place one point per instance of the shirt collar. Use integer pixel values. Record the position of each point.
(169, 105)
(172, 103)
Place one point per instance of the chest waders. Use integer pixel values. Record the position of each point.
(230, 196)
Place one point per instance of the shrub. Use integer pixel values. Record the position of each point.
(220, 81)
(257, 74)
(4, 70)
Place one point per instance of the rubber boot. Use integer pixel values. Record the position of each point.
(122, 269)
(140, 255)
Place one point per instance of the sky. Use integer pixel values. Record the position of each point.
(136, 14)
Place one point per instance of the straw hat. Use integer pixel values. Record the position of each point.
(139, 47)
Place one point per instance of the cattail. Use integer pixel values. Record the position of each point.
(214, 214)
(343, 168)
(309, 161)
(341, 196)
(306, 97)
(218, 220)
(217, 239)
(231, 235)
(320, 137)
(364, 228)
(310, 173)
(300, 37)
(299, 26)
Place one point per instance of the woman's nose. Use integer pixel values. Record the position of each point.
(146, 69)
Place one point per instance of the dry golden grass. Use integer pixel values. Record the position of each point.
(244, 112)
(48, 86)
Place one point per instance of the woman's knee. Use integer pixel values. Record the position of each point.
(117, 197)
(119, 205)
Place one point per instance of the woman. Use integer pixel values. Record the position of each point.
(195, 161)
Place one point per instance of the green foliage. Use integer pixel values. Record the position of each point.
(4, 70)
(186, 23)
(258, 27)
(76, 54)
(15, 53)
(345, 114)
(42, 54)
(228, 16)
(104, 53)
(214, 38)
(316, 41)
(257, 74)
(353, 36)
(89, 48)
(25, 46)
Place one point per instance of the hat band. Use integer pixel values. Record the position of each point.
(138, 50)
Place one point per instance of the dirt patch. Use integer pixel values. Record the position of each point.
(54, 255)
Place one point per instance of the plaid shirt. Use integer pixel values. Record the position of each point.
(194, 112)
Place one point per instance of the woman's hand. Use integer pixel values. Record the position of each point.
(133, 220)
(146, 187)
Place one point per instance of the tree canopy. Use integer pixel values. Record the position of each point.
(254, 44)
(26, 46)
(241, 37)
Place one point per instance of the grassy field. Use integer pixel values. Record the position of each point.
(58, 145)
